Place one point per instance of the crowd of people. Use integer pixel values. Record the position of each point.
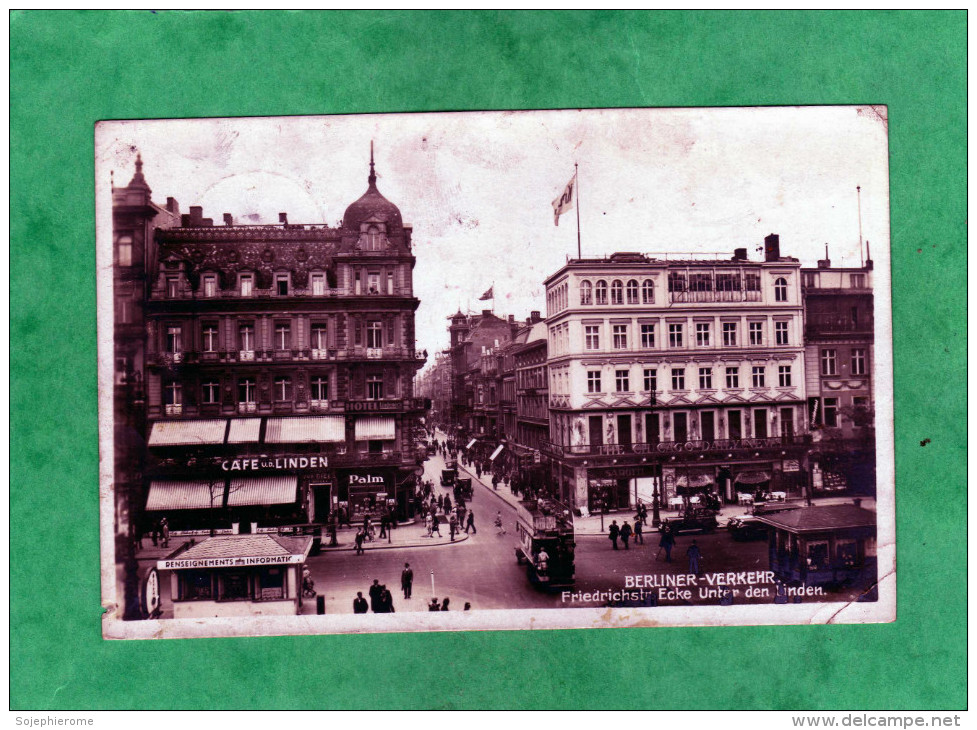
(381, 600)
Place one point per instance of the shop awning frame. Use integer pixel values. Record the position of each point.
(375, 428)
(165, 495)
(306, 429)
(188, 433)
(259, 491)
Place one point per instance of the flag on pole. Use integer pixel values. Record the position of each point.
(487, 295)
(565, 202)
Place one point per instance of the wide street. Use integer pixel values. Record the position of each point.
(482, 570)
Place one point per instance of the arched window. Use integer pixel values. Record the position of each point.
(647, 292)
(780, 290)
(601, 292)
(632, 291)
(373, 239)
(586, 293)
(617, 289)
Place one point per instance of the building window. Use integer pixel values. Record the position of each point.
(756, 333)
(675, 335)
(320, 337)
(700, 282)
(373, 282)
(593, 381)
(752, 282)
(702, 332)
(676, 281)
(732, 378)
(173, 398)
(784, 376)
(647, 292)
(729, 334)
(283, 340)
(622, 381)
(780, 330)
(211, 339)
(246, 392)
(828, 363)
(281, 284)
(632, 291)
(247, 285)
(174, 340)
(651, 380)
(246, 338)
(592, 336)
(858, 361)
(600, 293)
(374, 334)
(319, 390)
(373, 239)
(125, 250)
(374, 387)
(705, 378)
(678, 379)
(125, 310)
(283, 389)
(858, 281)
(780, 290)
(586, 293)
(647, 336)
(318, 285)
(211, 392)
(759, 376)
(620, 337)
(172, 287)
(831, 412)
(617, 289)
(727, 282)
(210, 286)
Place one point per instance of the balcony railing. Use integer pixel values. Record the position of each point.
(715, 296)
(247, 407)
(174, 409)
(246, 355)
(670, 447)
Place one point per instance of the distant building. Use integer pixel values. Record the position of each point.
(278, 368)
(683, 375)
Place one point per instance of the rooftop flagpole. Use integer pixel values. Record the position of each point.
(575, 177)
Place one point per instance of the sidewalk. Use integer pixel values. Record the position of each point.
(404, 536)
(591, 525)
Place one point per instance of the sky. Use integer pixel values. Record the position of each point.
(478, 186)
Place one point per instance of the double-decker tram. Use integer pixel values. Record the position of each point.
(545, 530)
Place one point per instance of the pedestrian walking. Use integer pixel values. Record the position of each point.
(427, 523)
(667, 543)
(625, 534)
(434, 605)
(639, 537)
(695, 556)
(407, 580)
(447, 504)
(500, 528)
(444, 603)
(470, 525)
(386, 600)
(155, 534)
(375, 590)
(612, 533)
(440, 501)
(358, 541)
(435, 522)
(383, 526)
(164, 528)
(452, 526)
(359, 603)
(478, 470)
(495, 482)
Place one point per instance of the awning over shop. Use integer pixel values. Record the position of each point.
(185, 433)
(496, 452)
(169, 495)
(375, 428)
(309, 429)
(693, 482)
(471, 443)
(244, 431)
(248, 491)
(752, 477)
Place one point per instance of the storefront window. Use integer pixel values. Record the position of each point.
(197, 585)
(817, 555)
(271, 583)
(846, 552)
(234, 586)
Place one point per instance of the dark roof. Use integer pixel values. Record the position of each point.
(814, 519)
(249, 546)
(372, 205)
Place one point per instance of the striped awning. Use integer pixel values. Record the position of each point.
(309, 429)
(244, 431)
(752, 477)
(248, 491)
(169, 495)
(185, 433)
(471, 443)
(496, 452)
(376, 428)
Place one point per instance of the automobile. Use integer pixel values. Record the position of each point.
(746, 527)
(463, 489)
(694, 518)
(769, 508)
(448, 477)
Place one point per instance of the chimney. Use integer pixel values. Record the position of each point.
(739, 254)
(196, 215)
(534, 316)
(172, 206)
(207, 222)
(486, 312)
(185, 220)
(283, 218)
(228, 219)
(868, 257)
(771, 247)
(824, 263)
(512, 319)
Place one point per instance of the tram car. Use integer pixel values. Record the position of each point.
(545, 531)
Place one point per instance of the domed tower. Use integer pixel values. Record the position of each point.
(374, 218)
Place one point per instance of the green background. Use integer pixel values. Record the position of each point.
(69, 69)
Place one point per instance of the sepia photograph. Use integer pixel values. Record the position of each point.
(495, 370)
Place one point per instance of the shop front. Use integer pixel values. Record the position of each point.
(237, 575)
(610, 489)
(368, 492)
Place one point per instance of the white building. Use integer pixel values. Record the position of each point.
(687, 370)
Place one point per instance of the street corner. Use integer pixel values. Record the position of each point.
(412, 542)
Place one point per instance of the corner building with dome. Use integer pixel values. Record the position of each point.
(279, 367)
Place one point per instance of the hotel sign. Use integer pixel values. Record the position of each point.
(275, 463)
(373, 406)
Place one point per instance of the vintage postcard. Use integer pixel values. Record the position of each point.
(495, 370)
